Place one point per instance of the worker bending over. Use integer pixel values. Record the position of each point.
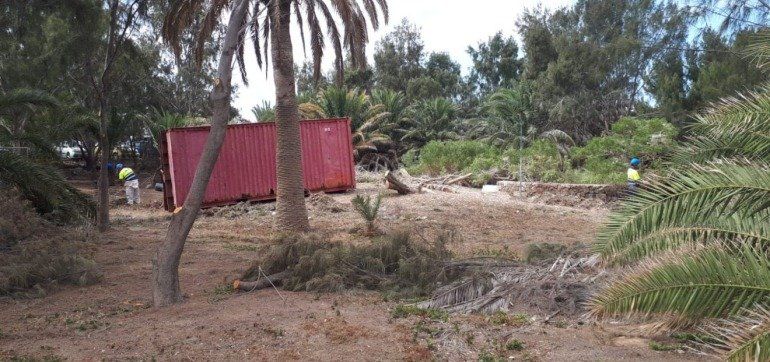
(131, 181)
(633, 175)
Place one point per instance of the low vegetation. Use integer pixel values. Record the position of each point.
(36, 254)
(601, 160)
(397, 263)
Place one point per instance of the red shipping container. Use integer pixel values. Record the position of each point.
(246, 168)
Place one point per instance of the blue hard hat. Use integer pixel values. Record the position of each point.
(635, 161)
(119, 166)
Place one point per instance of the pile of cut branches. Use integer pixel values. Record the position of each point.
(397, 263)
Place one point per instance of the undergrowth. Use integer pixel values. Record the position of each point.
(395, 263)
(35, 253)
(406, 310)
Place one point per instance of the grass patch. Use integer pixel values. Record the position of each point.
(406, 310)
(240, 247)
(664, 347)
(221, 292)
(500, 318)
(514, 345)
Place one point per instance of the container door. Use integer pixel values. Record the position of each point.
(333, 156)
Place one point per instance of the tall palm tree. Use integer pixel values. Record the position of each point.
(703, 230)
(269, 24)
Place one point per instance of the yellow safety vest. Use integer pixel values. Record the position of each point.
(126, 174)
(633, 175)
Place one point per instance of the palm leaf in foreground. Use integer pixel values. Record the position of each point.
(700, 192)
(42, 185)
(689, 230)
(734, 127)
(745, 337)
(716, 281)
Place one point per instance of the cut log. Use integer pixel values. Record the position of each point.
(261, 283)
(459, 179)
(394, 183)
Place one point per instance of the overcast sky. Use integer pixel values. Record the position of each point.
(446, 25)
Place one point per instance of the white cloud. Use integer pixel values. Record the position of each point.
(446, 25)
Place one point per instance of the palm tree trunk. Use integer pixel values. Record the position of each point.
(165, 264)
(291, 214)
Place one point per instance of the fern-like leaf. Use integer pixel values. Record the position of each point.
(716, 281)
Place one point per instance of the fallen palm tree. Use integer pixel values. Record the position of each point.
(405, 184)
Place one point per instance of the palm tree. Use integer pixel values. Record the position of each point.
(275, 28)
(703, 230)
(432, 119)
(269, 24)
(505, 124)
(37, 181)
(369, 120)
(264, 112)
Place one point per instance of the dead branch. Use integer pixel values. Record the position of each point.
(459, 179)
(394, 183)
(261, 283)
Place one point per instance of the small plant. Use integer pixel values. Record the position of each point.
(664, 347)
(405, 310)
(221, 292)
(368, 209)
(486, 356)
(514, 345)
(500, 318)
(275, 332)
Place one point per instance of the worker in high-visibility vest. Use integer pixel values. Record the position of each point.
(633, 175)
(131, 182)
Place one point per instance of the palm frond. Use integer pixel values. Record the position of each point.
(759, 48)
(44, 187)
(736, 126)
(692, 284)
(691, 230)
(745, 337)
(26, 98)
(702, 191)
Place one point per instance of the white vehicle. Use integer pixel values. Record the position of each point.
(69, 150)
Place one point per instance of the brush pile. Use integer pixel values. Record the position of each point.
(396, 263)
(35, 253)
(558, 286)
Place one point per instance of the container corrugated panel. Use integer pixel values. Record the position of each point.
(245, 169)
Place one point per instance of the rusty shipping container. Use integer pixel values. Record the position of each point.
(245, 169)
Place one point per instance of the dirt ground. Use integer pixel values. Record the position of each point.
(114, 320)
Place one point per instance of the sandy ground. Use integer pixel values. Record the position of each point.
(114, 320)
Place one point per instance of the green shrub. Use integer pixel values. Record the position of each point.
(453, 156)
(540, 161)
(604, 158)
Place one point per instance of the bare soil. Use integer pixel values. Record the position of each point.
(114, 319)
